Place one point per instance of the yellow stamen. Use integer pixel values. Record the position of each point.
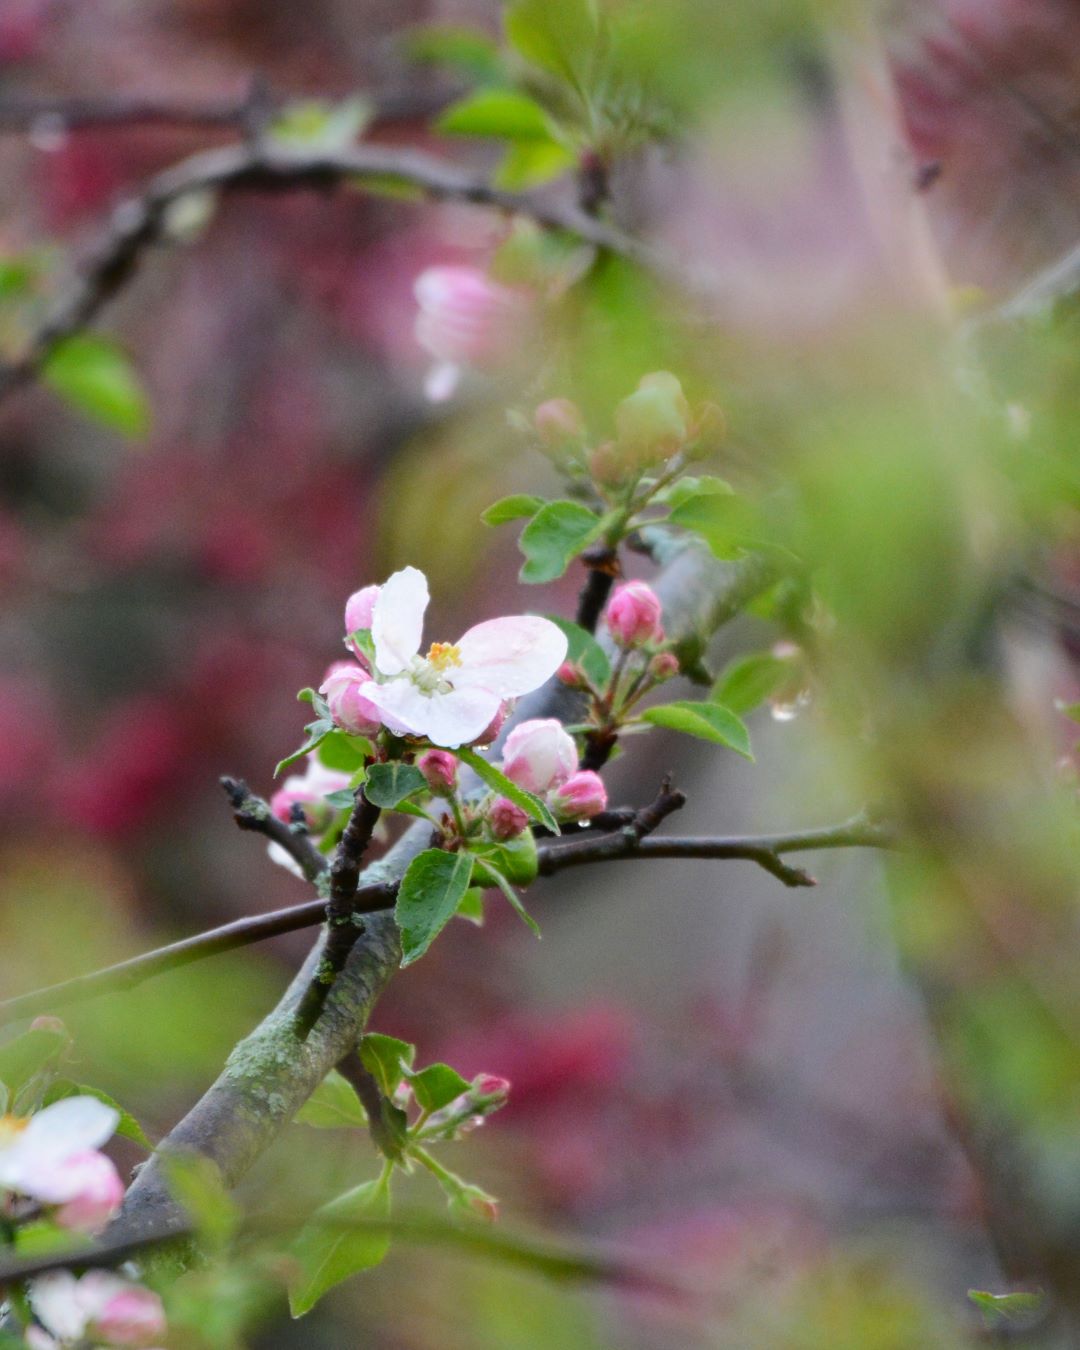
(12, 1126)
(443, 654)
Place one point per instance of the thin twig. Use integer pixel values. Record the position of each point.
(252, 813)
(142, 220)
(588, 846)
(342, 916)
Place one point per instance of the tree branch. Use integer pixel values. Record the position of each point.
(141, 221)
(588, 846)
(344, 925)
(252, 813)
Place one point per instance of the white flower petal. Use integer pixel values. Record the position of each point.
(397, 622)
(450, 719)
(511, 656)
(441, 381)
(73, 1125)
(55, 1301)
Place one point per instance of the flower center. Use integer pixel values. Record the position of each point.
(443, 654)
(10, 1129)
(429, 673)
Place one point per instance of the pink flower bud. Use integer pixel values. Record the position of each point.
(358, 613)
(558, 421)
(489, 1091)
(506, 818)
(348, 707)
(581, 797)
(98, 1197)
(132, 1317)
(539, 754)
(570, 675)
(606, 466)
(664, 666)
(480, 1204)
(439, 768)
(495, 725)
(633, 615)
(652, 423)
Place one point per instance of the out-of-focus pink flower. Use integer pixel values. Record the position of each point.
(633, 615)
(309, 790)
(439, 768)
(346, 692)
(451, 695)
(98, 1305)
(539, 754)
(506, 818)
(100, 1191)
(465, 319)
(44, 1155)
(581, 797)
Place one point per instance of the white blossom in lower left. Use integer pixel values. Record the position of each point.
(53, 1157)
(98, 1308)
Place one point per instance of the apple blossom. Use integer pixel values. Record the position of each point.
(309, 790)
(43, 1156)
(344, 690)
(539, 754)
(358, 611)
(439, 768)
(581, 797)
(506, 818)
(98, 1306)
(633, 615)
(98, 1194)
(451, 695)
(465, 319)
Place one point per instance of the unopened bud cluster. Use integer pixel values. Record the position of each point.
(653, 425)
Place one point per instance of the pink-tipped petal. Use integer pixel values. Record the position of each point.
(510, 656)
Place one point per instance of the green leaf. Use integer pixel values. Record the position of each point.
(472, 906)
(533, 807)
(495, 877)
(496, 112)
(726, 523)
(1007, 1307)
(684, 489)
(344, 799)
(559, 36)
(337, 750)
(389, 784)
(41, 1238)
(28, 1054)
(333, 1105)
(387, 1059)
(516, 859)
(584, 651)
(317, 732)
(707, 721)
(128, 1127)
(196, 1184)
(329, 1251)
(95, 376)
(465, 49)
(749, 680)
(554, 537)
(311, 124)
(437, 1086)
(521, 504)
(528, 164)
(428, 897)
